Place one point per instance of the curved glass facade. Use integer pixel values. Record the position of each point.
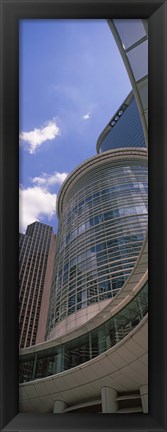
(101, 230)
(88, 346)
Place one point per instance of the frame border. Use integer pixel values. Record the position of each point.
(11, 12)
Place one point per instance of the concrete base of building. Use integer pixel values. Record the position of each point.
(109, 402)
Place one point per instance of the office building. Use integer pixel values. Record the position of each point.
(34, 248)
(102, 210)
(41, 331)
(124, 129)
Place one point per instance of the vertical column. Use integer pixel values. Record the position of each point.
(58, 363)
(90, 346)
(108, 396)
(34, 366)
(62, 349)
(144, 397)
(108, 342)
(59, 406)
(116, 331)
(101, 341)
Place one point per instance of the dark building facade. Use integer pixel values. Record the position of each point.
(124, 129)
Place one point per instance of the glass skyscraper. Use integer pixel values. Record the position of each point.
(124, 129)
(102, 209)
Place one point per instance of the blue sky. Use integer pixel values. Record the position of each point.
(72, 80)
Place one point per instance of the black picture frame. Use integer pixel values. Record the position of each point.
(11, 12)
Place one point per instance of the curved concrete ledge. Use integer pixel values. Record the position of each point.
(123, 367)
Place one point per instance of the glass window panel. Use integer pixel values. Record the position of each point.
(138, 58)
(74, 234)
(26, 370)
(48, 364)
(80, 350)
(73, 262)
(77, 352)
(130, 30)
(71, 310)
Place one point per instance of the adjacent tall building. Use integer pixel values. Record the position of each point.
(124, 129)
(35, 246)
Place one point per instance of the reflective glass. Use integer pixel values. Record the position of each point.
(108, 239)
(130, 31)
(80, 350)
(138, 58)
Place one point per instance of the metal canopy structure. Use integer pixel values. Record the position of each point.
(131, 37)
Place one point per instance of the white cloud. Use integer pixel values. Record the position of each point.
(46, 180)
(86, 116)
(37, 137)
(35, 202)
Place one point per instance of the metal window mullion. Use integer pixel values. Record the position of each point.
(136, 44)
(34, 366)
